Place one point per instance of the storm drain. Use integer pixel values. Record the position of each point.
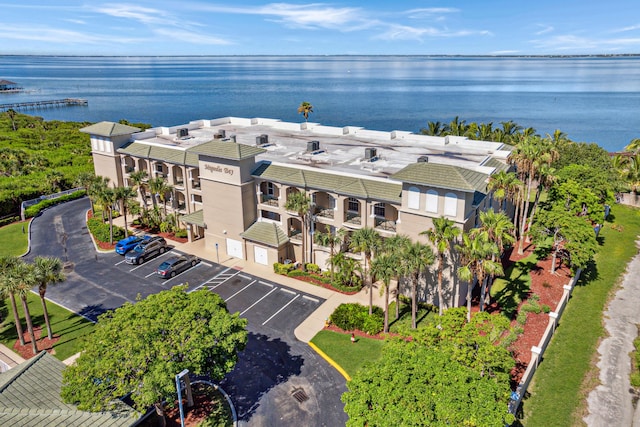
(299, 395)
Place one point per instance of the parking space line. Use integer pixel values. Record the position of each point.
(206, 263)
(266, 284)
(177, 275)
(252, 305)
(150, 274)
(241, 290)
(118, 263)
(244, 276)
(311, 299)
(222, 273)
(288, 291)
(283, 307)
(154, 258)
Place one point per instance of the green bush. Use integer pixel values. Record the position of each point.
(296, 273)
(284, 269)
(522, 317)
(312, 268)
(531, 306)
(182, 233)
(100, 230)
(344, 288)
(34, 210)
(9, 220)
(353, 316)
(546, 309)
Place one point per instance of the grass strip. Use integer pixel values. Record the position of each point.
(69, 326)
(14, 239)
(350, 356)
(557, 394)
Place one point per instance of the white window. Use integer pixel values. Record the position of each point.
(413, 198)
(332, 202)
(378, 210)
(270, 189)
(432, 201)
(94, 144)
(100, 145)
(353, 205)
(450, 204)
(196, 198)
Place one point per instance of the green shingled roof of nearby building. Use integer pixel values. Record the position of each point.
(196, 218)
(442, 176)
(109, 129)
(350, 186)
(166, 154)
(30, 396)
(227, 150)
(266, 233)
(497, 164)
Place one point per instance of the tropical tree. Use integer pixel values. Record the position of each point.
(137, 349)
(139, 180)
(476, 262)
(348, 271)
(124, 195)
(416, 258)
(84, 180)
(157, 186)
(442, 235)
(368, 241)
(384, 268)
(397, 245)
(330, 240)
(305, 109)
(505, 186)
(497, 228)
(47, 271)
(299, 202)
(23, 278)
(96, 187)
(9, 287)
(107, 197)
(433, 129)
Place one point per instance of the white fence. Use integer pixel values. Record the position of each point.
(538, 351)
(32, 202)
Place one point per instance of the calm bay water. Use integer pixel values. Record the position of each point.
(590, 99)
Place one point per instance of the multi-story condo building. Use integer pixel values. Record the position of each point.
(231, 178)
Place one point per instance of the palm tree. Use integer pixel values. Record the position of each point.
(476, 262)
(330, 240)
(525, 158)
(441, 235)
(8, 288)
(504, 185)
(497, 228)
(123, 195)
(368, 241)
(398, 245)
(47, 272)
(433, 129)
(416, 258)
(156, 185)
(84, 180)
(510, 129)
(96, 187)
(24, 279)
(634, 146)
(107, 198)
(305, 109)
(385, 267)
(139, 180)
(299, 202)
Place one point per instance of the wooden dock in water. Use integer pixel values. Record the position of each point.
(66, 102)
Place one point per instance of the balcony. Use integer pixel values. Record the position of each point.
(353, 218)
(129, 169)
(268, 199)
(385, 225)
(195, 185)
(296, 236)
(324, 212)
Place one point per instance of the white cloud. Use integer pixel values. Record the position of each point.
(569, 42)
(405, 32)
(545, 29)
(625, 29)
(429, 12)
(191, 37)
(144, 15)
(57, 36)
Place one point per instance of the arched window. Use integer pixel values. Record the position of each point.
(413, 198)
(432, 201)
(450, 204)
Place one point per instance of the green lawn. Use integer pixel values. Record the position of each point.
(348, 355)
(560, 385)
(14, 241)
(511, 289)
(69, 326)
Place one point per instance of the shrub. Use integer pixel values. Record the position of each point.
(182, 233)
(280, 268)
(100, 230)
(531, 306)
(356, 316)
(546, 309)
(312, 268)
(296, 273)
(9, 220)
(522, 318)
(34, 210)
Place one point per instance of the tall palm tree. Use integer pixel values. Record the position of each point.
(47, 271)
(368, 241)
(96, 187)
(139, 181)
(305, 109)
(634, 146)
(497, 228)
(124, 195)
(441, 235)
(525, 158)
(476, 262)
(9, 287)
(433, 129)
(510, 129)
(504, 186)
(24, 280)
(416, 258)
(330, 240)
(156, 186)
(84, 180)
(299, 202)
(385, 267)
(107, 198)
(398, 245)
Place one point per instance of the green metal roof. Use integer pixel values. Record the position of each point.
(196, 218)
(109, 129)
(267, 233)
(442, 176)
(227, 150)
(497, 164)
(349, 186)
(165, 154)
(30, 396)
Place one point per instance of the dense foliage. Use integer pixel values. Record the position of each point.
(354, 316)
(454, 373)
(139, 348)
(34, 210)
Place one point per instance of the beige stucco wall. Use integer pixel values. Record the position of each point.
(108, 166)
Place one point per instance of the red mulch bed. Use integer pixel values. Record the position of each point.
(43, 343)
(320, 283)
(203, 405)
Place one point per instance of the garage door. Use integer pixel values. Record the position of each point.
(234, 248)
(260, 255)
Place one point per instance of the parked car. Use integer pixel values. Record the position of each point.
(125, 245)
(147, 249)
(176, 265)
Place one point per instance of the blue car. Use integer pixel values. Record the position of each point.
(125, 245)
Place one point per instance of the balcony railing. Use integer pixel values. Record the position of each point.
(295, 235)
(195, 185)
(385, 224)
(129, 169)
(325, 212)
(353, 218)
(269, 199)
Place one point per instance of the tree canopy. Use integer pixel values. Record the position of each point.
(139, 348)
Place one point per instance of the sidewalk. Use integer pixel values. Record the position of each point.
(312, 324)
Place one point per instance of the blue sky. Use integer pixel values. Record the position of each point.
(245, 27)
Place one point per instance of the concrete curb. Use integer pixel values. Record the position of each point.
(330, 361)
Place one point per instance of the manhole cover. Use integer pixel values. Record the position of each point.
(299, 394)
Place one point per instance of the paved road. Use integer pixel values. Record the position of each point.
(611, 403)
(278, 379)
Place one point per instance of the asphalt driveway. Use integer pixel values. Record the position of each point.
(278, 379)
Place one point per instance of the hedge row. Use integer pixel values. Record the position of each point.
(9, 220)
(100, 230)
(34, 210)
(354, 316)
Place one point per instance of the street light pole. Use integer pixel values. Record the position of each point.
(178, 388)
